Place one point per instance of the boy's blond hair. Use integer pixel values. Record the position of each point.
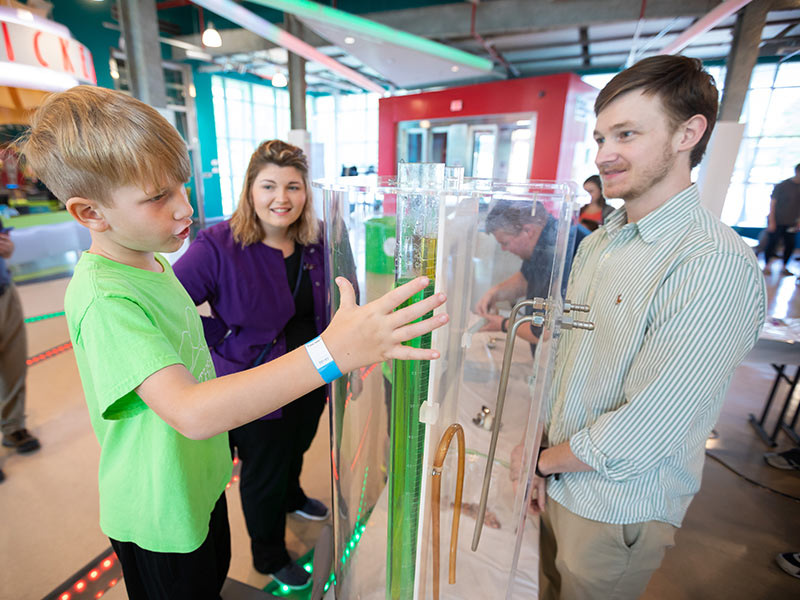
(88, 141)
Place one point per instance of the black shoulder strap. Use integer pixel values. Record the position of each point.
(263, 354)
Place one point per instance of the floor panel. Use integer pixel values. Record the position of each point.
(49, 503)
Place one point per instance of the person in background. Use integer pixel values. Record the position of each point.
(783, 220)
(595, 213)
(531, 235)
(263, 275)
(677, 300)
(13, 359)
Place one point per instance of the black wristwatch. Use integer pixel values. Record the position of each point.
(538, 456)
(504, 325)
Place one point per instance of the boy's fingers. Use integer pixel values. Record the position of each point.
(408, 353)
(347, 294)
(414, 330)
(391, 300)
(417, 310)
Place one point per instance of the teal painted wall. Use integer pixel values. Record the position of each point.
(85, 21)
(207, 135)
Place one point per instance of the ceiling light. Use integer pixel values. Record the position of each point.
(524, 122)
(198, 55)
(454, 68)
(113, 68)
(349, 40)
(192, 91)
(425, 124)
(279, 80)
(211, 37)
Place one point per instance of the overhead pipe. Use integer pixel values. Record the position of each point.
(721, 12)
(487, 46)
(263, 28)
(639, 24)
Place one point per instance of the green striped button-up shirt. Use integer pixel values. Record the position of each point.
(677, 300)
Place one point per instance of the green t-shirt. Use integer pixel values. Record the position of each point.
(157, 487)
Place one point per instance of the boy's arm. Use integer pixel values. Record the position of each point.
(357, 336)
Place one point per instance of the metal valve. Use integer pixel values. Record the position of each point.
(540, 305)
(570, 323)
(569, 306)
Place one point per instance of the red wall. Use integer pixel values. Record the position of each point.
(578, 116)
(547, 96)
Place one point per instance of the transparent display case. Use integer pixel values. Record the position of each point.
(432, 460)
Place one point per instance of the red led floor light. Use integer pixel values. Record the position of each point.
(92, 581)
(54, 351)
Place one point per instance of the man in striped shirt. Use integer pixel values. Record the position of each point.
(678, 300)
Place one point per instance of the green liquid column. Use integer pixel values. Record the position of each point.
(409, 391)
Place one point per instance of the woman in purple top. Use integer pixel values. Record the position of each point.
(262, 273)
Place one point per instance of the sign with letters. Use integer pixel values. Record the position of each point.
(30, 41)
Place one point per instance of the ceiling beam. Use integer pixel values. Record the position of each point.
(499, 17)
(469, 44)
(445, 21)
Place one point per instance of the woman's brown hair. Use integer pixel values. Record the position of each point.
(245, 225)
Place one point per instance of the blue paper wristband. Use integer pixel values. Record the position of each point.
(322, 360)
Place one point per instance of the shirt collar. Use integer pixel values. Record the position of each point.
(673, 215)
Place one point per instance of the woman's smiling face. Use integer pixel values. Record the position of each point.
(279, 197)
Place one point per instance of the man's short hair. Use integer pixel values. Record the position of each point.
(511, 215)
(88, 141)
(681, 84)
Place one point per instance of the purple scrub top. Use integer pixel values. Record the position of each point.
(249, 295)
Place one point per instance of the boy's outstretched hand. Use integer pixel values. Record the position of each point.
(362, 335)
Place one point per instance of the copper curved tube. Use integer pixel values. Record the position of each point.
(436, 490)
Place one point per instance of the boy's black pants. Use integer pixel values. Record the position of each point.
(198, 575)
(271, 452)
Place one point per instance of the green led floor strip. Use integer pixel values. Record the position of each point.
(44, 317)
(283, 591)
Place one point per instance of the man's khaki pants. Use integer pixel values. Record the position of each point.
(589, 560)
(13, 365)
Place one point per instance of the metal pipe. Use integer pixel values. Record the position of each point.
(488, 47)
(436, 489)
(721, 12)
(501, 398)
(639, 24)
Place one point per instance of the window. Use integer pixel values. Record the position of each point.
(771, 144)
(245, 115)
(347, 127)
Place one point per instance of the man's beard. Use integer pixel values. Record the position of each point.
(651, 175)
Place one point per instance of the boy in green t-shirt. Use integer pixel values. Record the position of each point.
(158, 412)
